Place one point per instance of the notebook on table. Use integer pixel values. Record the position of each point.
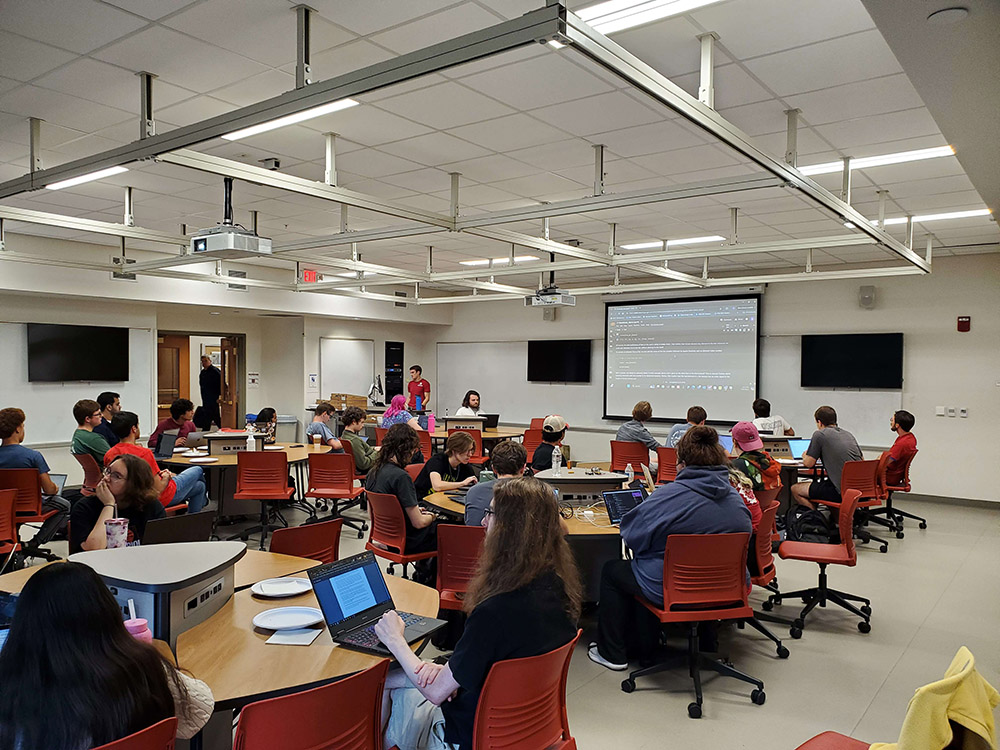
(620, 502)
(353, 597)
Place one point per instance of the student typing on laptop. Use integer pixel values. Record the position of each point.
(525, 608)
(181, 414)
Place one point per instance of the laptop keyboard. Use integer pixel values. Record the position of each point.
(369, 639)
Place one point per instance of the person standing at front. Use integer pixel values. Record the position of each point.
(210, 383)
(418, 388)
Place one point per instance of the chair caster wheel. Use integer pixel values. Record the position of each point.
(782, 652)
(923, 524)
(767, 606)
(805, 600)
(694, 710)
(390, 570)
(740, 624)
(775, 600)
(865, 627)
(628, 686)
(884, 548)
(795, 632)
(799, 623)
(899, 535)
(865, 609)
(360, 535)
(758, 697)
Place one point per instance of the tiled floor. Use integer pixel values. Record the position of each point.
(934, 591)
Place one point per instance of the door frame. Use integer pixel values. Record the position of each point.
(241, 363)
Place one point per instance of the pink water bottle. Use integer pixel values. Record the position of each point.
(430, 422)
(139, 629)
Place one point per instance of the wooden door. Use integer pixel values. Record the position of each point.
(173, 374)
(230, 404)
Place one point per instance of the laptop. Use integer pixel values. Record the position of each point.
(353, 596)
(620, 502)
(195, 439)
(492, 420)
(165, 446)
(727, 442)
(190, 527)
(798, 446)
(648, 478)
(8, 602)
(60, 482)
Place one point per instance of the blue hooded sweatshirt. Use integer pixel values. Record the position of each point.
(699, 501)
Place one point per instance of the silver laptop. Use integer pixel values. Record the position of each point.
(195, 439)
(60, 482)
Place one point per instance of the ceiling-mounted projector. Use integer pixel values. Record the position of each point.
(550, 297)
(228, 240)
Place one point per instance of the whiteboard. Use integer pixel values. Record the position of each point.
(346, 366)
(499, 371)
(865, 414)
(49, 406)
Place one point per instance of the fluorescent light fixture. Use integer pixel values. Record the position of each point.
(937, 217)
(659, 243)
(616, 15)
(100, 174)
(555, 44)
(306, 114)
(354, 275)
(878, 161)
(499, 261)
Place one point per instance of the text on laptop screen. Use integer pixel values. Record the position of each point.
(351, 589)
(620, 502)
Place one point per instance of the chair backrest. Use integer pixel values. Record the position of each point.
(477, 435)
(459, 548)
(861, 476)
(160, 736)
(531, 440)
(380, 434)
(624, 452)
(317, 541)
(414, 470)
(332, 472)
(704, 575)
(261, 471)
(537, 423)
(28, 484)
(522, 705)
(905, 486)
(8, 530)
(762, 546)
(305, 721)
(425, 444)
(880, 482)
(845, 522)
(666, 459)
(91, 472)
(388, 525)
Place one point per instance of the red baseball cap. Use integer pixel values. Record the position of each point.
(745, 435)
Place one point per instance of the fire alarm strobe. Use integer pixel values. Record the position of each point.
(964, 323)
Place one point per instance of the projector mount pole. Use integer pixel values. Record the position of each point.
(227, 202)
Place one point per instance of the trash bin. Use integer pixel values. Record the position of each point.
(287, 430)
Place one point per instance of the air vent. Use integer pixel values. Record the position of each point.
(237, 275)
(400, 294)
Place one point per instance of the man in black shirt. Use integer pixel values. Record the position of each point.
(449, 470)
(553, 431)
(110, 405)
(210, 382)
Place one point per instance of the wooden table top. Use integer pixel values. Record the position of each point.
(257, 565)
(579, 525)
(231, 656)
(495, 433)
(295, 455)
(12, 583)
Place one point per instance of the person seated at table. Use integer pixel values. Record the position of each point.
(903, 449)
(700, 501)
(470, 405)
(13, 455)
(634, 431)
(267, 423)
(85, 441)
(75, 678)
(508, 460)
(765, 423)
(524, 601)
(181, 414)
(553, 431)
(834, 447)
(173, 489)
(696, 416)
(397, 414)
(319, 426)
(752, 460)
(125, 491)
(110, 404)
(449, 470)
(354, 422)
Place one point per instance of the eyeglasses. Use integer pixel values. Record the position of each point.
(114, 475)
(489, 512)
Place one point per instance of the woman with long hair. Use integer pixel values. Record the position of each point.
(74, 677)
(127, 490)
(397, 414)
(524, 601)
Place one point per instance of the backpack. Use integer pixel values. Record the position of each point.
(805, 525)
(770, 476)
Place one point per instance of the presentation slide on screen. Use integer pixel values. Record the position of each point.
(682, 353)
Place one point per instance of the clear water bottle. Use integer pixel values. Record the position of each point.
(556, 462)
(629, 474)
(251, 441)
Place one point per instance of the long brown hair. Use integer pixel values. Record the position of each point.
(139, 490)
(398, 446)
(525, 540)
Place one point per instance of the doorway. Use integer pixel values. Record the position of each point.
(179, 370)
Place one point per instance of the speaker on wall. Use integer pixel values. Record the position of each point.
(866, 297)
(393, 369)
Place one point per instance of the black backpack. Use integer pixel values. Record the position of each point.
(805, 525)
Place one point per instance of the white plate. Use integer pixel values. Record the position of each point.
(192, 454)
(278, 587)
(179, 448)
(274, 447)
(288, 618)
(204, 460)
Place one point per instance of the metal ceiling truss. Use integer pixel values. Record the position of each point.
(553, 22)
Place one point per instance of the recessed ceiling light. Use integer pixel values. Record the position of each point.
(86, 178)
(306, 114)
(659, 243)
(937, 217)
(616, 15)
(948, 15)
(867, 162)
(499, 261)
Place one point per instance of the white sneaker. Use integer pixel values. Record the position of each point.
(595, 656)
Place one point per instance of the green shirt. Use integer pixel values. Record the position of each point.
(86, 441)
(364, 454)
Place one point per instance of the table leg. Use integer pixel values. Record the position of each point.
(591, 552)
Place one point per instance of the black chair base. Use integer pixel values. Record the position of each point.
(696, 663)
(864, 536)
(29, 549)
(267, 515)
(818, 596)
(896, 516)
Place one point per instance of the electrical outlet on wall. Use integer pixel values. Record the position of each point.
(951, 411)
(939, 411)
(963, 412)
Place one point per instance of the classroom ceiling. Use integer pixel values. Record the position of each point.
(519, 127)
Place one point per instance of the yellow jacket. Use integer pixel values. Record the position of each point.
(962, 698)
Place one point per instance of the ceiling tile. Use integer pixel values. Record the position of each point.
(670, 46)
(60, 109)
(367, 125)
(538, 82)
(344, 58)
(439, 27)
(864, 131)
(374, 15)
(648, 139)
(79, 26)
(447, 105)
(23, 59)
(373, 163)
(598, 114)
(195, 109)
(540, 186)
(152, 9)
(509, 133)
(435, 149)
(110, 85)
(757, 119)
(862, 99)
(488, 169)
(688, 160)
(256, 88)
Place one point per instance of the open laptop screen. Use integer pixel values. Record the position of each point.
(350, 591)
(620, 502)
(798, 446)
(727, 442)
(60, 482)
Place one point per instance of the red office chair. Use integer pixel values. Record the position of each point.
(316, 541)
(380, 434)
(823, 555)
(426, 446)
(478, 457)
(388, 532)
(458, 558)
(894, 514)
(704, 579)
(8, 529)
(625, 452)
(331, 477)
(160, 736)
(531, 440)
(91, 472)
(762, 549)
(862, 476)
(523, 704)
(414, 471)
(666, 459)
(176, 510)
(305, 721)
(263, 477)
(833, 741)
(537, 423)
(28, 506)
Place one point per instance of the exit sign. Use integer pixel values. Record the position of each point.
(309, 276)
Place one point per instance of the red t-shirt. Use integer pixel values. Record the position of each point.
(902, 451)
(169, 424)
(146, 455)
(418, 388)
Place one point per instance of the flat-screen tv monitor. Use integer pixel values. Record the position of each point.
(58, 353)
(852, 360)
(559, 361)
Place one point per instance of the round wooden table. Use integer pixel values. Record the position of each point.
(296, 452)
